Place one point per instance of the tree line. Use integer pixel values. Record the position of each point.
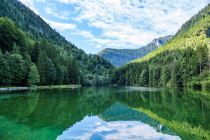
(171, 68)
(25, 61)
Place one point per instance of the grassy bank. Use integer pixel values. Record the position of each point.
(2, 89)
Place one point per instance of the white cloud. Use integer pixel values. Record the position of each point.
(135, 22)
(43, 1)
(66, 1)
(123, 23)
(95, 128)
(83, 33)
(60, 26)
(52, 11)
(99, 46)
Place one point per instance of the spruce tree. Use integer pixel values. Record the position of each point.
(5, 77)
(34, 77)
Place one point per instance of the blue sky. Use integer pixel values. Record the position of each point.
(93, 25)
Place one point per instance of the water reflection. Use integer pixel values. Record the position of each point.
(94, 128)
(47, 114)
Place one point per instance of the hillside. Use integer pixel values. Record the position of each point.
(40, 41)
(119, 57)
(183, 61)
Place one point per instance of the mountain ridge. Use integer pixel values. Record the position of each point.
(119, 57)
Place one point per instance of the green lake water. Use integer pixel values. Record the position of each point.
(108, 113)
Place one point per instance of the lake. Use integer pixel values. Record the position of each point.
(105, 113)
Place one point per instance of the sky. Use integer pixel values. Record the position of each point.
(94, 25)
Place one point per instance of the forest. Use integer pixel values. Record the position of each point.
(182, 62)
(32, 53)
(178, 68)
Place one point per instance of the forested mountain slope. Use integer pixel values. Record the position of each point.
(39, 49)
(119, 57)
(183, 61)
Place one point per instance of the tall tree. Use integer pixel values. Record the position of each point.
(18, 69)
(202, 53)
(59, 74)
(41, 64)
(50, 75)
(165, 75)
(35, 52)
(5, 77)
(73, 71)
(144, 77)
(34, 77)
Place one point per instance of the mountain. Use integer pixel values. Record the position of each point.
(27, 38)
(182, 62)
(119, 57)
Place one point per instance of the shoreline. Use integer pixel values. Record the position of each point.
(5, 89)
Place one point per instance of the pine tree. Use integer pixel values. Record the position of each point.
(41, 64)
(50, 75)
(144, 77)
(73, 71)
(34, 77)
(165, 75)
(17, 69)
(59, 74)
(5, 77)
(35, 52)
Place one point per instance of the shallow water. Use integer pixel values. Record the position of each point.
(104, 113)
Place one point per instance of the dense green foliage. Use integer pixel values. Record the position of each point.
(28, 64)
(34, 77)
(119, 57)
(170, 68)
(180, 62)
(28, 44)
